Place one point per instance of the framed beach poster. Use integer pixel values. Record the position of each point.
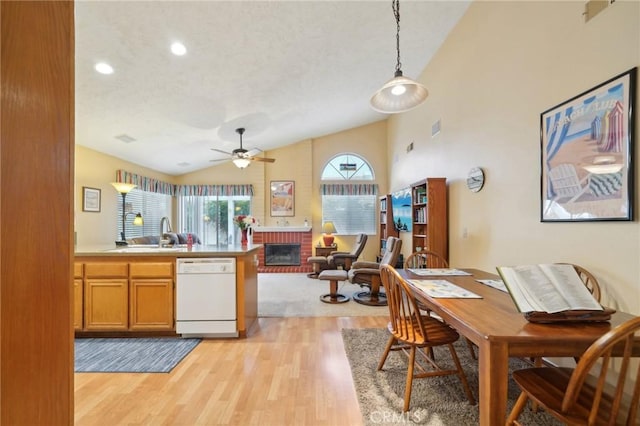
(282, 198)
(586, 154)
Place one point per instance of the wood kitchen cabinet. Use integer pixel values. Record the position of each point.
(106, 286)
(124, 296)
(105, 304)
(78, 292)
(151, 304)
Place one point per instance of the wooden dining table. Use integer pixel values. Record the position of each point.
(494, 324)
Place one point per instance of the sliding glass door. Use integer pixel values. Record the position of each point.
(211, 217)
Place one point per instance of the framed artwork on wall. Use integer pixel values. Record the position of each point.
(90, 199)
(401, 205)
(282, 198)
(586, 154)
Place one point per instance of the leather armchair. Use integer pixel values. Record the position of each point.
(367, 274)
(345, 259)
(337, 258)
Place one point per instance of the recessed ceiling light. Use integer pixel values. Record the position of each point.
(178, 49)
(104, 68)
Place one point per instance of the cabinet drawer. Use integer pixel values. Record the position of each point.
(152, 269)
(77, 270)
(106, 269)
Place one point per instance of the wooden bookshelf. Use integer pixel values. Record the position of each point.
(430, 229)
(387, 227)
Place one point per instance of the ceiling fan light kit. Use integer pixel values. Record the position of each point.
(401, 93)
(240, 156)
(241, 163)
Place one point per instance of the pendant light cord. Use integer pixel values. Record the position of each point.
(395, 4)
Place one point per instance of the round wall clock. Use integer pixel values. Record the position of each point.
(475, 179)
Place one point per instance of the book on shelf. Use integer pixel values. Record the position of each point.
(419, 196)
(420, 215)
(547, 288)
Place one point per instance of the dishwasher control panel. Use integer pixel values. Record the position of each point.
(206, 266)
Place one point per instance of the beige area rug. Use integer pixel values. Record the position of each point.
(296, 295)
(435, 401)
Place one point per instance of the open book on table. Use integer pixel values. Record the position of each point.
(550, 288)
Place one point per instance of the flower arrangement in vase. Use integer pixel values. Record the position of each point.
(244, 222)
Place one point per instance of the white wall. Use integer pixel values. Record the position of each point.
(501, 66)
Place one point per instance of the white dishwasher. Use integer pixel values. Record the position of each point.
(206, 297)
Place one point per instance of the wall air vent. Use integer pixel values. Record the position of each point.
(435, 128)
(125, 138)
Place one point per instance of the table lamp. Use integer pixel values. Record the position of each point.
(328, 228)
(124, 189)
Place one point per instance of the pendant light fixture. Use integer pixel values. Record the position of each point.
(401, 93)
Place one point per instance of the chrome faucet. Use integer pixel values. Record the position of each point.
(162, 221)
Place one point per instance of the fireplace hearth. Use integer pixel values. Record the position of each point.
(281, 254)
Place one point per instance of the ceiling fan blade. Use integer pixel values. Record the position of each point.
(219, 150)
(262, 159)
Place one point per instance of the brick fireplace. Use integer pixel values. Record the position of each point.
(284, 235)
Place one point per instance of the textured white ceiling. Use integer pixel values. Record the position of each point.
(285, 70)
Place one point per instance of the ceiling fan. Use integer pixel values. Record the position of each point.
(242, 157)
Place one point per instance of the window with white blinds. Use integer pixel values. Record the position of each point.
(350, 205)
(351, 214)
(153, 207)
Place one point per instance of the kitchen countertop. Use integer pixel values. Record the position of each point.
(179, 251)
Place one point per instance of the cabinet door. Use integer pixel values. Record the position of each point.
(151, 304)
(77, 304)
(105, 304)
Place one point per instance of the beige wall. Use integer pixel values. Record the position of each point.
(301, 162)
(97, 170)
(501, 66)
(294, 163)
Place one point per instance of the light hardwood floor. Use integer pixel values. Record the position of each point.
(290, 371)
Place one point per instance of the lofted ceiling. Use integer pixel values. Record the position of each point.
(285, 70)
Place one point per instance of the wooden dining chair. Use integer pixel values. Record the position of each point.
(413, 332)
(425, 259)
(430, 259)
(582, 395)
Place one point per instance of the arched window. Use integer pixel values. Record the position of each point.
(349, 204)
(347, 167)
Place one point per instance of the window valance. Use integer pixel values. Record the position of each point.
(349, 189)
(146, 183)
(204, 190)
(154, 185)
